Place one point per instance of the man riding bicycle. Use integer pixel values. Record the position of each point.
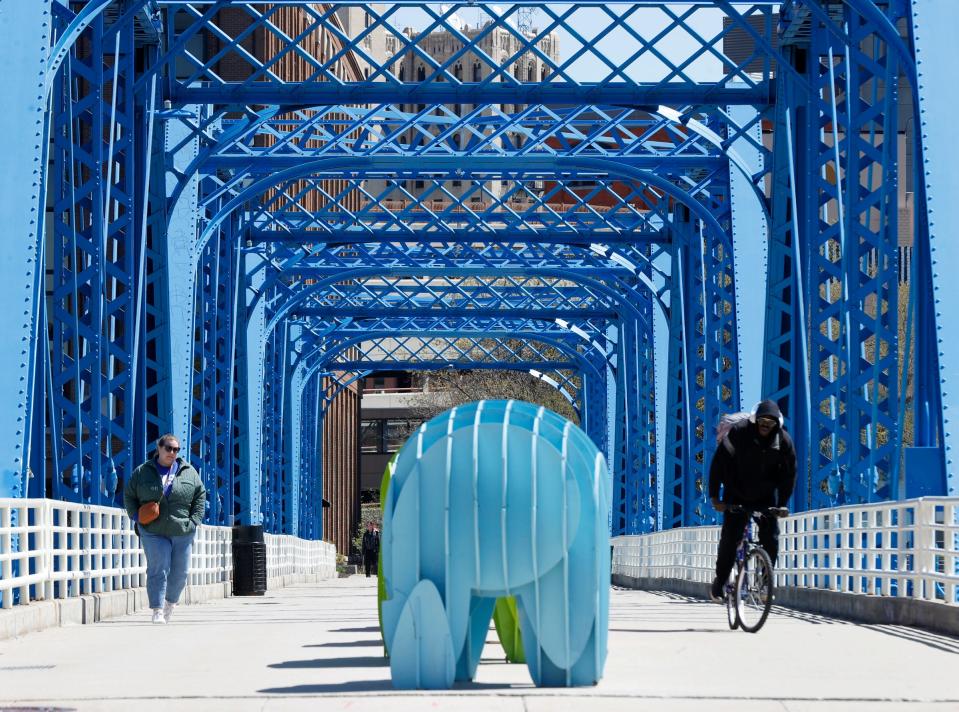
(755, 464)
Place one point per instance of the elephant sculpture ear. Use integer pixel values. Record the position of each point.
(421, 654)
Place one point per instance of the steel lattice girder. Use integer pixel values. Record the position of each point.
(319, 260)
(493, 80)
(93, 307)
(835, 259)
(588, 338)
(641, 493)
(213, 377)
(647, 138)
(365, 293)
(596, 265)
(618, 198)
(803, 263)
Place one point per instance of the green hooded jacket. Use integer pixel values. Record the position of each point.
(180, 511)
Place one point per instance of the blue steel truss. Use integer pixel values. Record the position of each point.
(250, 208)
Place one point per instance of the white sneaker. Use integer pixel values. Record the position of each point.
(158, 616)
(168, 611)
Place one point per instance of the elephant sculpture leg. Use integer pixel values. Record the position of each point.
(481, 611)
(542, 669)
(560, 638)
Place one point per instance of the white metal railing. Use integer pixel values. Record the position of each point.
(51, 549)
(287, 555)
(907, 549)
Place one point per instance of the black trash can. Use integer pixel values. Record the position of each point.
(249, 561)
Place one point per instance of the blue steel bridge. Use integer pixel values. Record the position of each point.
(219, 215)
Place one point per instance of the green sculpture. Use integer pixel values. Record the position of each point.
(380, 580)
(506, 620)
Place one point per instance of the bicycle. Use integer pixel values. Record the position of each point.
(749, 591)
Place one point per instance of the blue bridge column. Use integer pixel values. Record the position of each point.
(938, 256)
(678, 471)
(25, 33)
(749, 254)
(251, 339)
(295, 438)
(182, 146)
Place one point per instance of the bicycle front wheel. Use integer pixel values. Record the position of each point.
(754, 590)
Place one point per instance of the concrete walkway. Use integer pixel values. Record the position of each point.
(317, 647)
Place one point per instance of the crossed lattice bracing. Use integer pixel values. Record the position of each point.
(662, 209)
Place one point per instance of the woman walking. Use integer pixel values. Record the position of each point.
(166, 499)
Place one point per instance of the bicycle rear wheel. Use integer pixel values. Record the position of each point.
(732, 615)
(754, 590)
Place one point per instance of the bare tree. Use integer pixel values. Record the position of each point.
(450, 388)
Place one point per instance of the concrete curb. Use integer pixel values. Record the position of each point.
(860, 608)
(94, 607)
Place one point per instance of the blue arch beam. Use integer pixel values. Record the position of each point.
(257, 164)
(384, 129)
(550, 236)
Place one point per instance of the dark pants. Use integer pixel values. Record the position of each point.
(369, 561)
(732, 533)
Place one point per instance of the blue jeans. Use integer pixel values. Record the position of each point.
(168, 560)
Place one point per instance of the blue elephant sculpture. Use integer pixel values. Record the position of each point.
(491, 499)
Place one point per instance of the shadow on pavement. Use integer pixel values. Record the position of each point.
(378, 686)
(348, 644)
(937, 641)
(355, 686)
(493, 685)
(668, 630)
(353, 662)
(367, 629)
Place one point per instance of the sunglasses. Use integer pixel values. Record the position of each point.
(170, 448)
(767, 421)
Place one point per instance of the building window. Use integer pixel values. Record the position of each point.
(477, 72)
(371, 436)
(385, 436)
(395, 433)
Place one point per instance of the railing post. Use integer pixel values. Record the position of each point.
(44, 520)
(6, 565)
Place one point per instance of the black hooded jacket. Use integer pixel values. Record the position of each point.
(371, 542)
(753, 470)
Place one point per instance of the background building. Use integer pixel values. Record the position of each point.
(501, 45)
(389, 407)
